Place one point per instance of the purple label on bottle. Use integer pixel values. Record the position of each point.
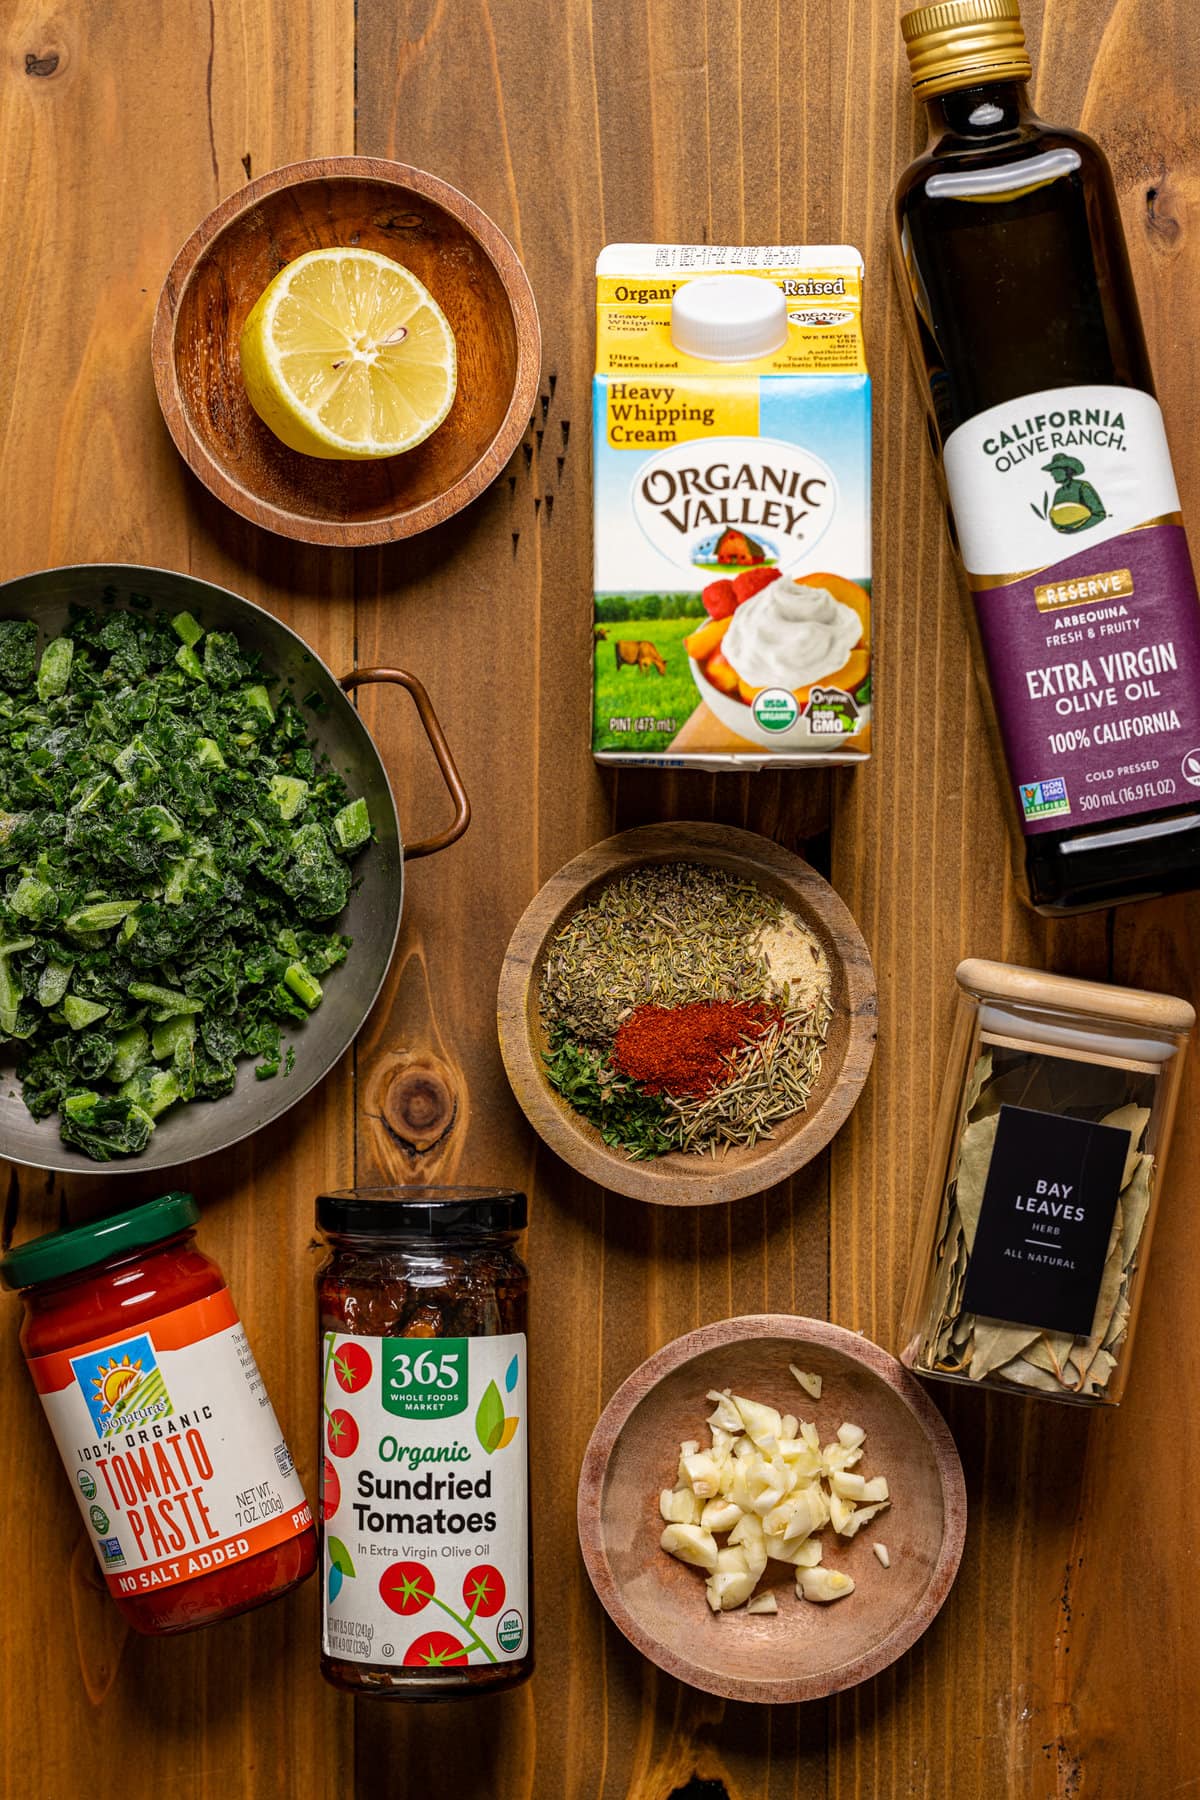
(1094, 667)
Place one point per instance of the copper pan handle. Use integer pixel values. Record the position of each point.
(437, 743)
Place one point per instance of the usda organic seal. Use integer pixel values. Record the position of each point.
(775, 709)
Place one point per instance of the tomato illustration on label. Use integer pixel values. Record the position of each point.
(436, 1650)
(351, 1367)
(331, 1489)
(484, 1591)
(341, 1433)
(406, 1587)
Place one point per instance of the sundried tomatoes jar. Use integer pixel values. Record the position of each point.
(186, 1487)
(425, 1474)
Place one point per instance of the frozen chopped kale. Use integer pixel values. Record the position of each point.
(174, 853)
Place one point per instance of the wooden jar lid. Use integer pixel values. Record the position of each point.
(1040, 987)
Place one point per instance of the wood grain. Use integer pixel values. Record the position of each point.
(1065, 1664)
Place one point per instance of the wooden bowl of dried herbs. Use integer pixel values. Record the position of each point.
(687, 1013)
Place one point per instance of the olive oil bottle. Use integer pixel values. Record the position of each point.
(1060, 494)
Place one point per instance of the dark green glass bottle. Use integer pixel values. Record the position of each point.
(1057, 478)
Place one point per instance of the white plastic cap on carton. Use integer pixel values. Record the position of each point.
(729, 318)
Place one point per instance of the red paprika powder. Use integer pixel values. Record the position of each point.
(688, 1050)
(184, 1483)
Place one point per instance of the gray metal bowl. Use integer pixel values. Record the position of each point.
(372, 917)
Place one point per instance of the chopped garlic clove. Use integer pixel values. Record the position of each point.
(725, 1413)
(731, 1583)
(794, 1551)
(720, 1515)
(876, 1489)
(809, 1433)
(851, 1436)
(760, 1421)
(811, 1514)
(689, 1448)
(789, 1425)
(702, 1472)
(850, 1487)
(748, 1533)
(776, 1522)
(841, 1513)
(763, 1603)
(858, 1519)
(799, 1515)
(691, 1544)
(881, 1551)
(723, 1442)
(679, 1506)
(808, 1554)
(810, 1383)
(824, 1584)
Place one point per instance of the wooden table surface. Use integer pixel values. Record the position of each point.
(1065, 1663)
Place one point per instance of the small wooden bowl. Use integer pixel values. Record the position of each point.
(677, 1179)
(806, 1650)
(464, 260)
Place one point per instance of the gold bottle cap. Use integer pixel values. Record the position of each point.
(960, 43)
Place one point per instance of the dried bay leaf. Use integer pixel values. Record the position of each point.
(1134, 1120)
(996, 1344)
(1029, 1374)
(974, 1160)
(1085, 1350)
(978, 1079)
(1099, 1374)
(1135, 1202)
(1051, 1353)
(1120, 1321)
(1014, 1087)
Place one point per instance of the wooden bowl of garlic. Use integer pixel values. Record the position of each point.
(771, 1509)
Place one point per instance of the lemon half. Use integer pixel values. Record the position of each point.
(347, 355)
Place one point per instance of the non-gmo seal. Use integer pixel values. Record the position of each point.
(510, 1632)
(775, 709)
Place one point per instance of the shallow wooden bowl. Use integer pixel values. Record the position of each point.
(679, 1180)
(464, 260)
(806, 1650)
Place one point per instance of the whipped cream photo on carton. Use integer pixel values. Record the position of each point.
(732, 471)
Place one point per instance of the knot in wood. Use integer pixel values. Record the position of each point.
(418, 1106)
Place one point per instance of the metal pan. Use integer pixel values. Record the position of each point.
(372, 917)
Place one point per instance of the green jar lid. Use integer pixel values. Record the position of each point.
(60, 1253)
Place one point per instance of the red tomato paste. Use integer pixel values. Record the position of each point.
(184, 1483)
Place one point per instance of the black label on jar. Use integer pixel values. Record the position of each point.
(1045, 1220)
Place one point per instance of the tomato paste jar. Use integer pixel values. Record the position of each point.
(186, 1487)
(425, 1476)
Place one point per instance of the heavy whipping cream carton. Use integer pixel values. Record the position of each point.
(732, 464)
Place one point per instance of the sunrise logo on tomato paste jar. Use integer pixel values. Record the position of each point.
(122, 1385)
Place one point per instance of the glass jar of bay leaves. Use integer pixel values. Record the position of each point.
(1048, 1159)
